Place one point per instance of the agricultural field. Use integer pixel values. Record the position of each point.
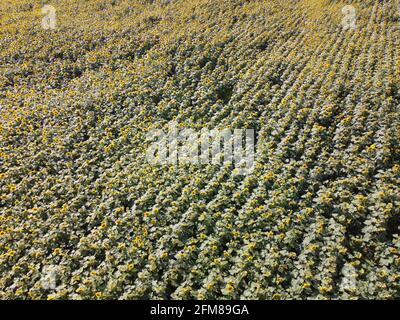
(85, 215)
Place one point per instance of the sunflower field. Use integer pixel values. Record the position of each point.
(84, 215)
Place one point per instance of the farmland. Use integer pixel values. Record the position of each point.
(84, 215)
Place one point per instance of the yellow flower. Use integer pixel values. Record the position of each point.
(306, 285)
(229, 288)
(80, 290)
(269, 234)
(325, 289)
(268, 176)
(11, 253)
(358, 255)
(19, 292)
(372, 147)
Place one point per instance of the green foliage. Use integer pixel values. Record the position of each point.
(79, 204)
